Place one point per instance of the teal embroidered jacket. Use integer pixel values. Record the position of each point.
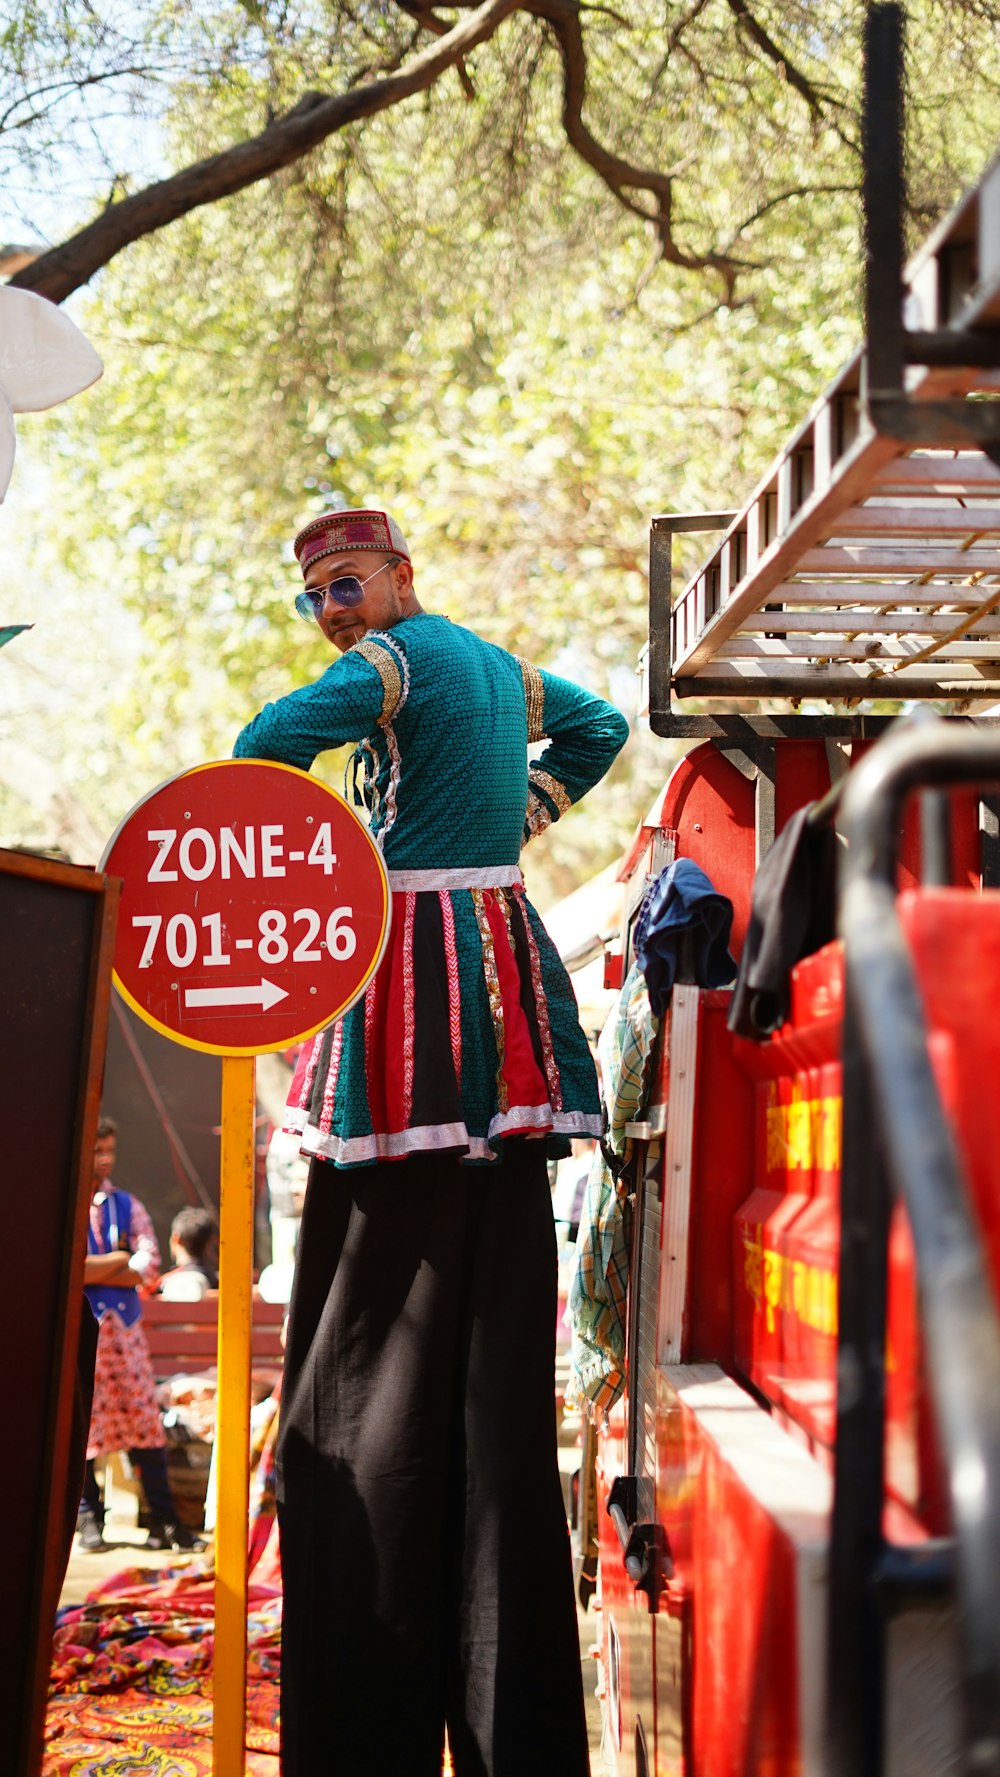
(469, 1032)
(461, 714)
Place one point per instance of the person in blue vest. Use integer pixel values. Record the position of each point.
(123, 1259)
(424, 1548)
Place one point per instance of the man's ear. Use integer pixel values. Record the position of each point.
(404, 582)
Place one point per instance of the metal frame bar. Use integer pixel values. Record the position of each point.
(685, 1019)
(897, 1138)
(661, 573)
(846, 483)
(989, 841)
(742, 730)
(755, 758)
(883, 184)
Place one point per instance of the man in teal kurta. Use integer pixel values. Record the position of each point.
(418, 1402)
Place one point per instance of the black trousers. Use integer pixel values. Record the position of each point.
(155, 1476)
(424, 1546)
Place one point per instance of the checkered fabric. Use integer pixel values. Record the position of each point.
(597, 1298)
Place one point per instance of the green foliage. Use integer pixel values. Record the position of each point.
(444, 310)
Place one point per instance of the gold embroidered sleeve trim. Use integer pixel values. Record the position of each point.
(550, 786)
(539, 816)
(534, 698)
(494, 994)
(388, 672)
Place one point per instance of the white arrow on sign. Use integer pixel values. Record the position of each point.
(264, 994)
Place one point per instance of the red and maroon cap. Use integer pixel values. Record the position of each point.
(351, 529)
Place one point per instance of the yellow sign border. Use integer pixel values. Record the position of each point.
(330, 1017)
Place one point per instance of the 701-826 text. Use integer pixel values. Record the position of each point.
(273, 941)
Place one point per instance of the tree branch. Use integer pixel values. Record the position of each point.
(677, 31)
(620, 177)
(784, 197)
(429, 21)
(59, 89)
(757, 34)
(316, 117)
(645, 192)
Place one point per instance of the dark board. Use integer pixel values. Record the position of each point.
(56, 942)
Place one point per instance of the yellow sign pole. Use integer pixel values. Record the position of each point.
(233, 1422)
(282, 813)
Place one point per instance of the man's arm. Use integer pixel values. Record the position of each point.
(109, 1269)
(145, 1259)
(586, 735)
(345, 703)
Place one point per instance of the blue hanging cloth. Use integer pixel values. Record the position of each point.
(682, 904)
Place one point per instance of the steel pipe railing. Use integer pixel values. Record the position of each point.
(897, 1140)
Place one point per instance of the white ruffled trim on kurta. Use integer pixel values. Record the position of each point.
(491, 876)
(444, 1138)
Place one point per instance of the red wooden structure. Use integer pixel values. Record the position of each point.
(797, 1499)
(183, 1336)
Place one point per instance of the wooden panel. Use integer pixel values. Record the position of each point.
(801, 678)
(862, 648)
(202, 1339)
(184, 1335)
(811, 594)
(189, 1341)
(939, 473)
(912, 558)
(871, 623)
(917, 520)
(157, 1311)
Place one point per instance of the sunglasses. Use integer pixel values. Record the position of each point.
(346, 591)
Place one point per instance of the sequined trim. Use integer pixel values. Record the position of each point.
(534, 698)
(382, 638)
(552, 788)
(395, 767)
(388, 671)
(454, 982)
(503, 902)
(493, 991)
(409, 1028)
(539, 1119)
(370, 1031)
(330, 1088)
(305, 1089)
(361, 1150)
(539, 815)
(541, 1008)
(371, 762)
(494, 876)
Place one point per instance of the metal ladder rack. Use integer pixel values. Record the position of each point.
(866, 563)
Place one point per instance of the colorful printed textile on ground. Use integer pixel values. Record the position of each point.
(131, 1684)
(131, 1689)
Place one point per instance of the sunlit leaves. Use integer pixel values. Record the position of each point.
(444, 310)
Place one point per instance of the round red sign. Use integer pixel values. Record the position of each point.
(255, 907)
